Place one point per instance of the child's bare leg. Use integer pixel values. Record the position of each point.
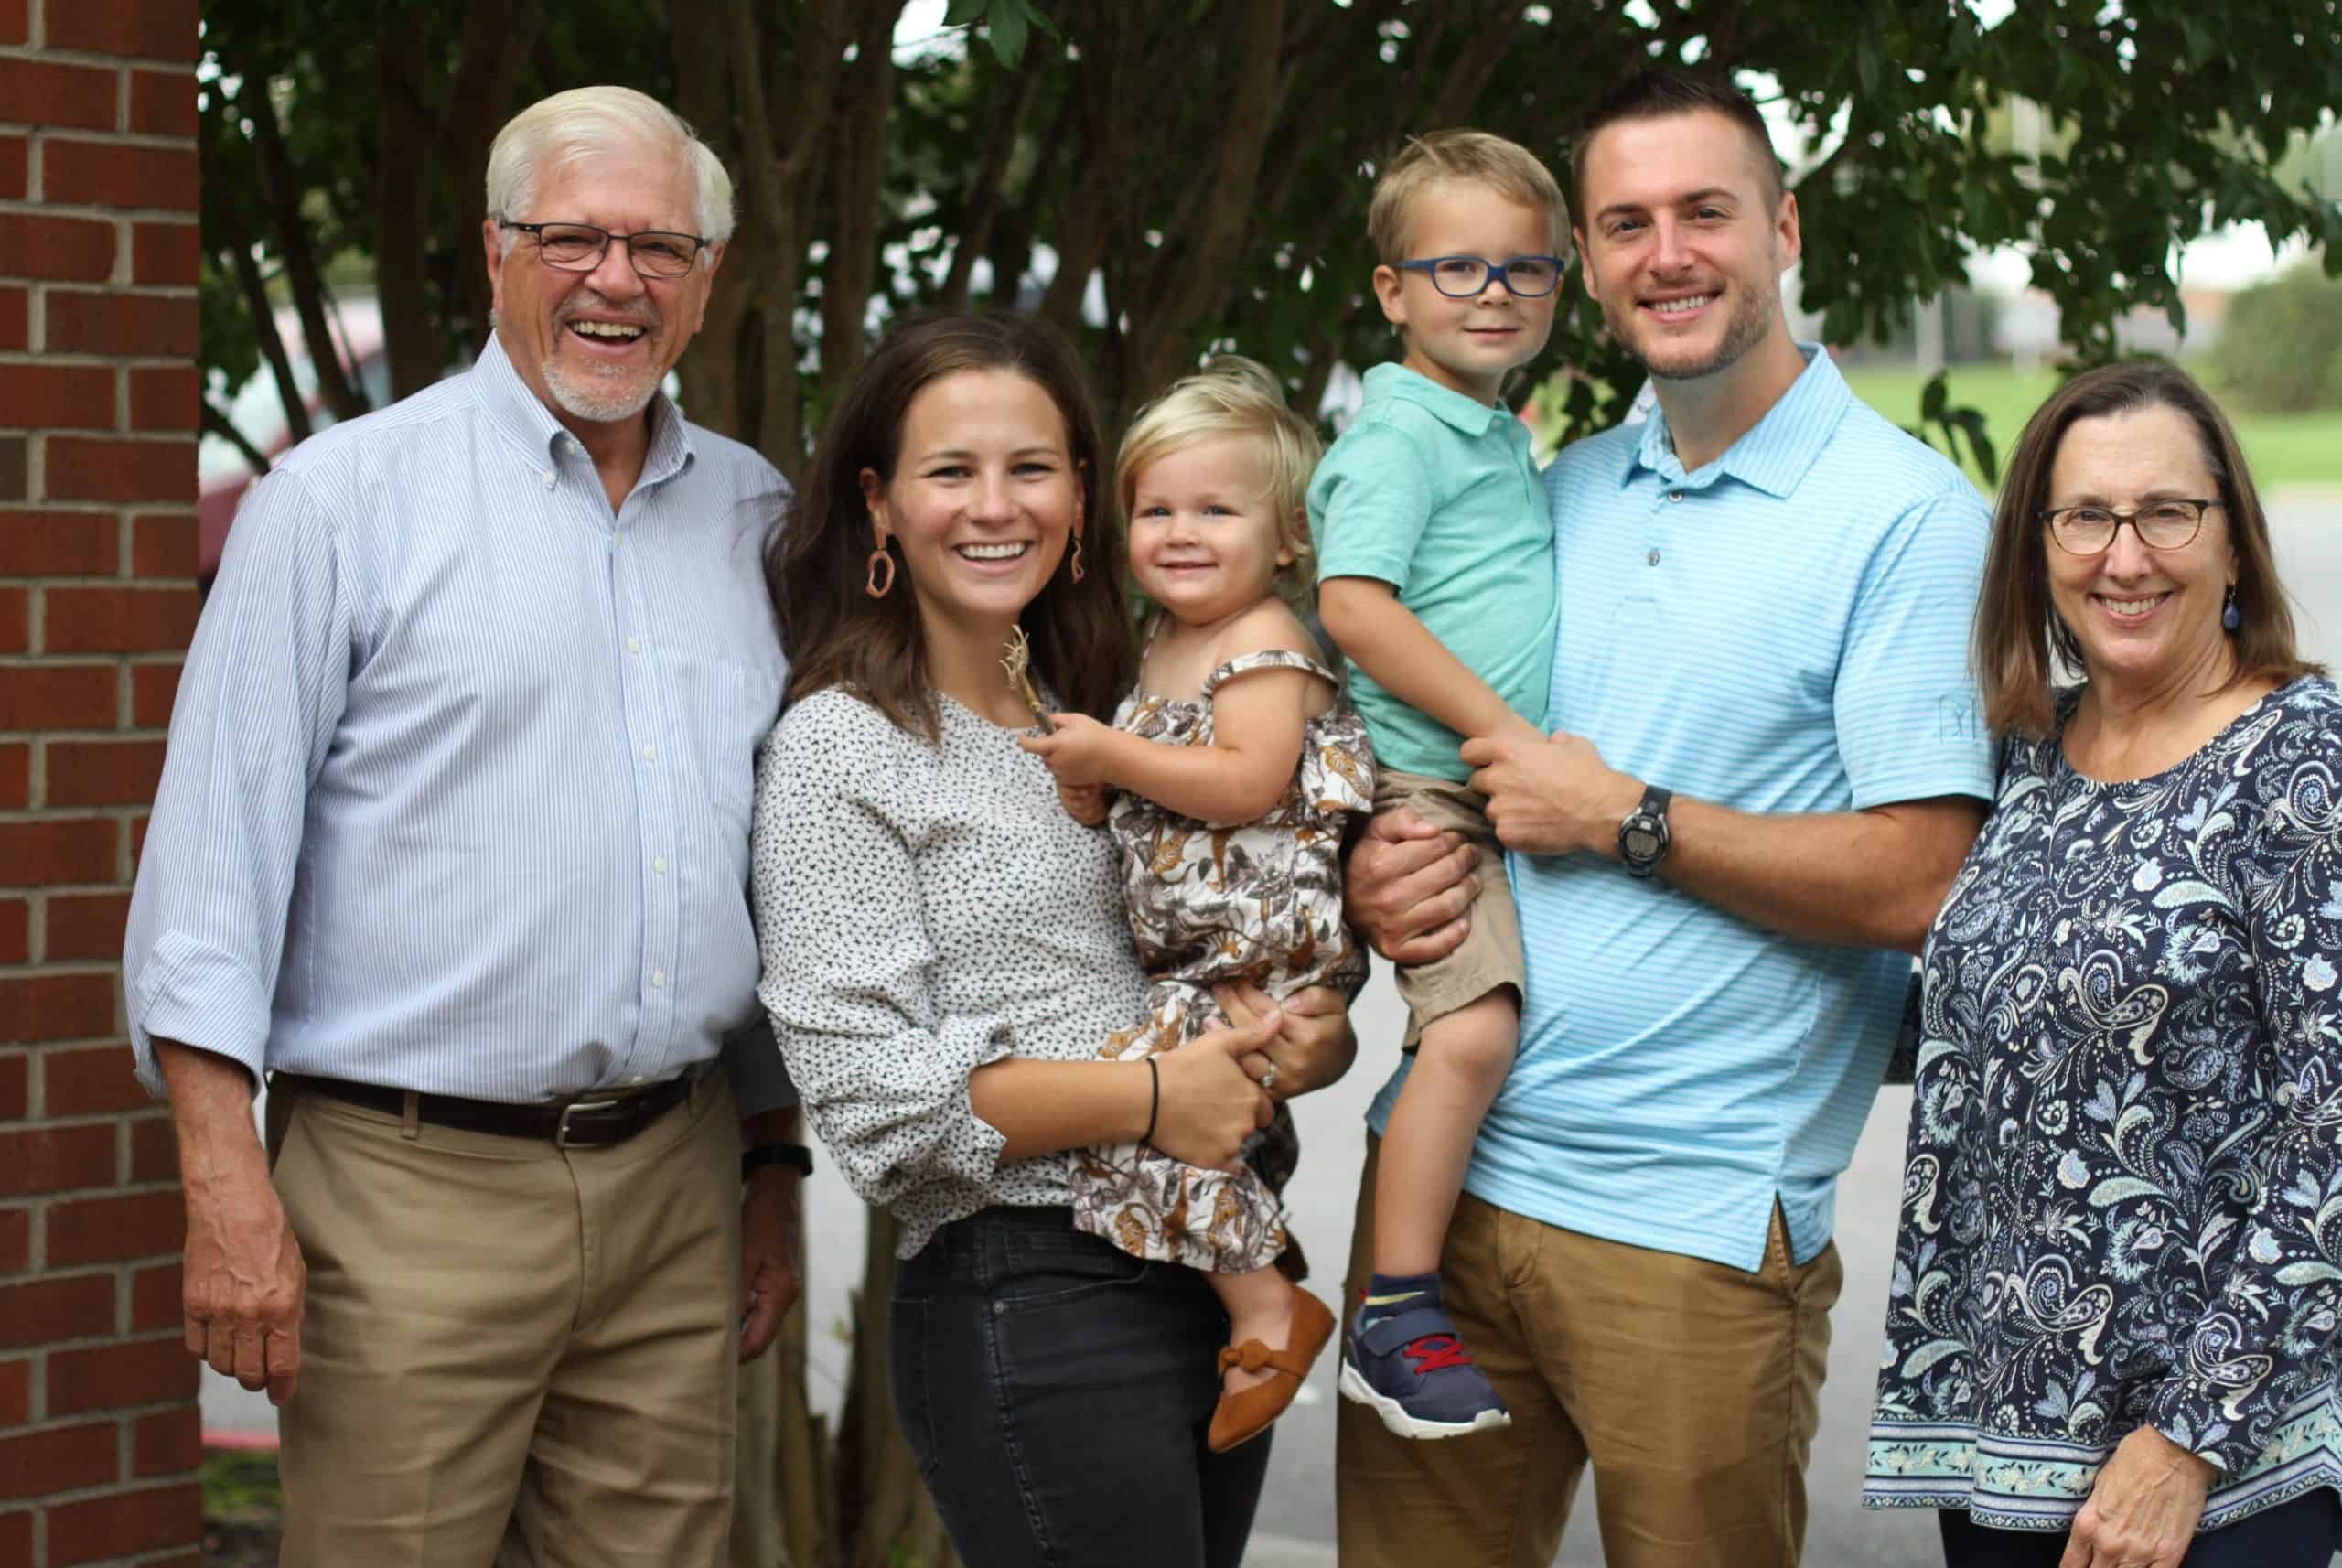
(1459, 1066)
(1260, 1306)
(1403, 1355)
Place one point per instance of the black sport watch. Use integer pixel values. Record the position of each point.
(1643, 838)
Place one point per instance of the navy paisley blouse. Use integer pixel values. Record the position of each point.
(2122, 1196)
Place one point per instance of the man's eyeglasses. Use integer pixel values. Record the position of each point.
(2159, 525)
(1467, 277)
(580, 247)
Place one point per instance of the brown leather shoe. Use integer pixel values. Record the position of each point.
(1245, 1416)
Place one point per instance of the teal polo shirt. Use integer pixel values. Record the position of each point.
(1436, 494)
(1784, 631)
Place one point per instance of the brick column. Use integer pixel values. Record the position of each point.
(98, 1433)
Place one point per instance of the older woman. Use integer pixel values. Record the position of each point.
(946, 955)
(2110, 1328)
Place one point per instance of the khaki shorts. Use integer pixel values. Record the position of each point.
(1490, 956)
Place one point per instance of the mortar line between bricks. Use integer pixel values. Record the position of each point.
(106, 1489)
(33, 50)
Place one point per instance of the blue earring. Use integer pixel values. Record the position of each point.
(2229, 618)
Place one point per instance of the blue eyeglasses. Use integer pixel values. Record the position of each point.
(1467, 277)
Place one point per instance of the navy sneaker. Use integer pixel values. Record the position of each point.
(1411, 1366)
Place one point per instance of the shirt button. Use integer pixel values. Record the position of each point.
(548, 477)
(658, 979)
(635, 1080)
(659, 866)
(1675, 495)
(634, 645)
(1652, 557)
(650, 754)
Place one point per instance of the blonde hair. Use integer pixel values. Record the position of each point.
(1234, 396)
(1509, 170)
(586, 122)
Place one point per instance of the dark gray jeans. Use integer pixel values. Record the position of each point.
(1056, 1393)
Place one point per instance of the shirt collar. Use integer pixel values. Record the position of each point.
(1468, 414)
(1774, 452)
(521, 416)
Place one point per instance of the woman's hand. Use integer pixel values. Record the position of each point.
(1315, 1047)
(1085, 803)
(2144, 1509)
(1209, 1104)
(1077, 750)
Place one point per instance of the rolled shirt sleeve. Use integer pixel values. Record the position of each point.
(258, 703)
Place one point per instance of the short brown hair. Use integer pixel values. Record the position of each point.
(1505, 168)
(817, 560)
(1657, 94)
(2017, 628)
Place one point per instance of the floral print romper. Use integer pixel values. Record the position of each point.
(1258, 901)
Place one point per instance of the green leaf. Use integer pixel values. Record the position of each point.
(1008, 26)
(1932, 398)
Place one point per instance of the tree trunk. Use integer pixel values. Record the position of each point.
(402, 215)
(1163, 345)
(859, 167)
(497, 37)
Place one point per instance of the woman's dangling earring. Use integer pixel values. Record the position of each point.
(878, 581)
(2230, 618)
(1077, 556)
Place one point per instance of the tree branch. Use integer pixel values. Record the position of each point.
(217, 424)
(281, 186)
(1014, 93)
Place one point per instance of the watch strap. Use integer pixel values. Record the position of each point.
(797, 1156)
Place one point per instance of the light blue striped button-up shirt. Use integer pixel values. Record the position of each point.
(1784, 631)
(457, 791)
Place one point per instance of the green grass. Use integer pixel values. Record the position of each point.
(2283, 449)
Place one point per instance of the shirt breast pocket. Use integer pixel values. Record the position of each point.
(732, 710)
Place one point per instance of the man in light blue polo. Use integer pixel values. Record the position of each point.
(1764, 769)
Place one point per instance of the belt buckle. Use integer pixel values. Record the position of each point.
(561, 1128)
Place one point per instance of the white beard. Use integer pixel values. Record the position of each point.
(605, 399)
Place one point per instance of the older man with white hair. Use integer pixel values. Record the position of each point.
(451, 847)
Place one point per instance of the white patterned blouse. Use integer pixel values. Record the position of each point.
(926, 910)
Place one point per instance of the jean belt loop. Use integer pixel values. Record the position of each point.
(411, 1120)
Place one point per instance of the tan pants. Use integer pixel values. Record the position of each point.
(1694, 1388)
(511, 1354)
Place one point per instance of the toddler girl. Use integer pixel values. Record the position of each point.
(1234, 770)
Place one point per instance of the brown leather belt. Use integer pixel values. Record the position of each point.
(582, 1122)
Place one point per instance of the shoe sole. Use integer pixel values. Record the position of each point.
(1356, 1388)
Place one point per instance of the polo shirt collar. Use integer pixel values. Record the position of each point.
(522, 418)
(1774, 454)
(1467, 414)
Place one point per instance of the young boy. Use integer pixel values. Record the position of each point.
(1436, 580)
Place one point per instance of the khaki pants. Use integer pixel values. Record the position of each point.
(511, 1353)
(1694, 1388)
(1489, 957)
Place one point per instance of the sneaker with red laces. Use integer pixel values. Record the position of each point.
(1410, 1365)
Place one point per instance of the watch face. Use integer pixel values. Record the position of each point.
(1641, 843)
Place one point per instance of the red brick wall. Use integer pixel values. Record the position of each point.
(98, 246)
